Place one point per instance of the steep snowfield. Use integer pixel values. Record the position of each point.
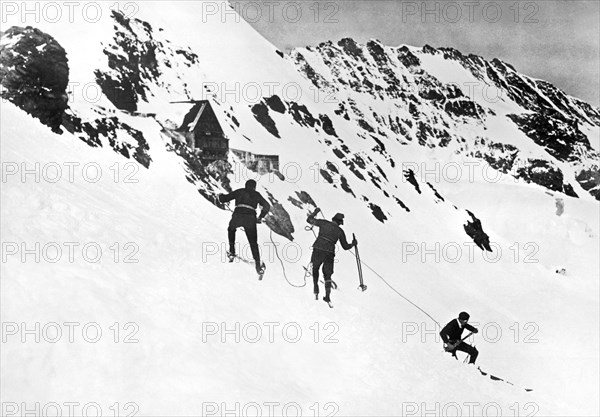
(171, 292)
(383, 361)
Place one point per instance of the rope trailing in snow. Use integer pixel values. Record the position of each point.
(362, 262)
(398, 292)
(391, 287)
(283, 266)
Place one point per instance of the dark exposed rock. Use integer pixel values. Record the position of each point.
(401, 204)
(338, 153)
(385, 67)
(435, 192)
(410, 177)
(327, 125)
(351, 48)
(377, 212)
(430, 136)
(365, 125)
(560, 137)
(34, 74)
(278, 219)
(275, 104)
(302, 115)
(475, 232)
(545, 174)
(114, 130)
(381, 172)
(341, 111)
(345, 186)
(326, 175)
(261, 114)
(332, 167)
(463, 108)
(305, 198)
(295, 202)
(408, 59)
(429, 49)
(589, 179)
(505, 158)
(499, 156)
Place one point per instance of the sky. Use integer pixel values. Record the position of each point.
(554, 40)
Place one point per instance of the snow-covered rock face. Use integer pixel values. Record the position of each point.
(385, 97)
(440, 97)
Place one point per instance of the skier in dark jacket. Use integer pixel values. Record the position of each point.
(246, 201)
(324, 249)
(452, 335)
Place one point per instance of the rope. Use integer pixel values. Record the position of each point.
(282, 264)
(358, 259)
(390, 286)
(398, 292)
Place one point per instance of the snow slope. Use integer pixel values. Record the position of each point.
(171, 292)
(382, 360)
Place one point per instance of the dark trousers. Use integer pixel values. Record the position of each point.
(325, 259)
(470, 350)
(248, 222)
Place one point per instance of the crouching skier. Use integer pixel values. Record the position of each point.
(452, 336)
(246, 201)
(324, 250)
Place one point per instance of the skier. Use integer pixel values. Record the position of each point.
(452, 337)
(246, 201)
(324, 249)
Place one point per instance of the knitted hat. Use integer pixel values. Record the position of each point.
(250, 185)
(463, 316)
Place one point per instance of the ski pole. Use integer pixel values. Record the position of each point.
(362, 286)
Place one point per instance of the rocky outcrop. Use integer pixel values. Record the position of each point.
(262, 116)
(34, 74)
(475, 231)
